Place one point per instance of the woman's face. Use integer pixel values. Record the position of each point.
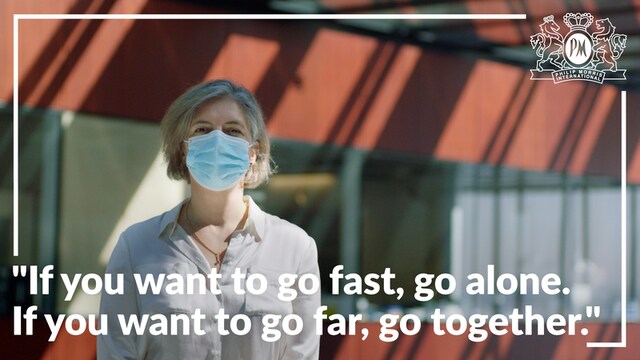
(220, 114)
(225, 115)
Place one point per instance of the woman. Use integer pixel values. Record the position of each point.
(214, 137)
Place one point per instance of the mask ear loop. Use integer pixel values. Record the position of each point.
(251, 164)
(184, 149)
(256, 142)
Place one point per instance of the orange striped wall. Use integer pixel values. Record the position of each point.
(318, 85)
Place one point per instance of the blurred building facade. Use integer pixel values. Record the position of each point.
(389, 153)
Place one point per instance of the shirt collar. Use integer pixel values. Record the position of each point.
(255, 220)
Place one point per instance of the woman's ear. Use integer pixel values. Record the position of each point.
(183, 161)
(253, 154)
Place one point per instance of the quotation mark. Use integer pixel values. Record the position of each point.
(591, 311)
(20, 270)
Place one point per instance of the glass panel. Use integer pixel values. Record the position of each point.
(305, 191)
(38, 140)
(427, 216)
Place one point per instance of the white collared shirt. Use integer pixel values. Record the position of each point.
(267, 245)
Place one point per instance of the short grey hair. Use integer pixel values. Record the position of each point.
(178, 119)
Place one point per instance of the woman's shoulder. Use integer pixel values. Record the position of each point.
(274, 229)
(140, 243)
(287, 245)
(275, 223)
(151, 228)
(285, 233)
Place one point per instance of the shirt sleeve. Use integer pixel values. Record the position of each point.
(306, 345)
(114, 344)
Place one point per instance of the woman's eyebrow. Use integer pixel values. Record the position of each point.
(201, 122)
(235, 122)
(230, 122)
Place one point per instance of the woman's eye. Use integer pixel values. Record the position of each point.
(235, 132)
(201, 130)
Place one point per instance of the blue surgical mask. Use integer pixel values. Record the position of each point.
(216, 160)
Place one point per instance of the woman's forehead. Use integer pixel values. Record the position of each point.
(220, 111)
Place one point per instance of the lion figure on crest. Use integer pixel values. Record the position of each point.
(548, 44)
(608, 45)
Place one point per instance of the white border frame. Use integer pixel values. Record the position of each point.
(623, 132)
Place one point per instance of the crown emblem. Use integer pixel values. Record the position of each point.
(579, 21)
